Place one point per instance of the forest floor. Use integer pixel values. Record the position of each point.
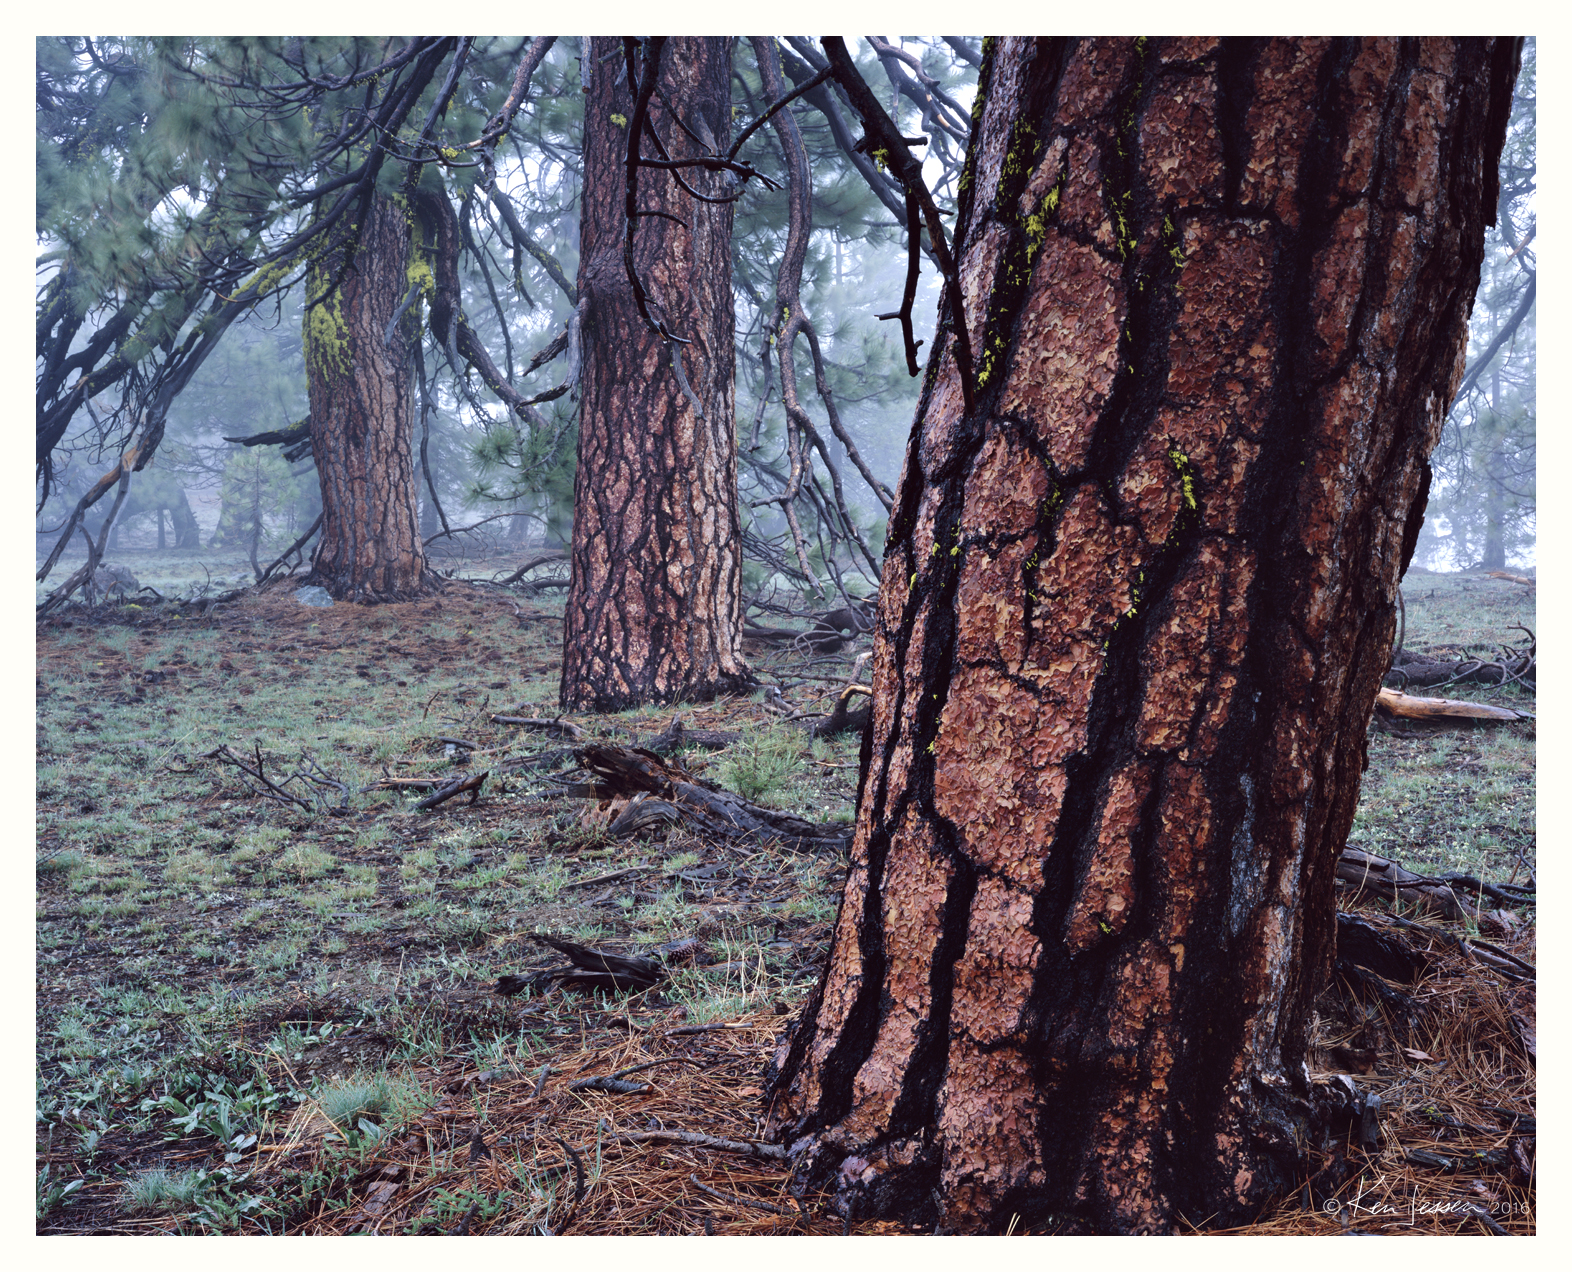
(259, 1017)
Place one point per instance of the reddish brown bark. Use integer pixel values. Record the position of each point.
(361, 389)
(654, 611)
(1135, 610)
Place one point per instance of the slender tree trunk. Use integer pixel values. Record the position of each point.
(1494, 557)
(1134, 614)
(654, 611)
(362, 397)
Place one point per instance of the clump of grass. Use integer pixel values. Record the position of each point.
(364, 1100)
(739, 985)
(464, 926)
(303, 861)
(163, 1191)
(63, 862)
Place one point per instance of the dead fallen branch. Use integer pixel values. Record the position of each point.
(465, 782)
(1491, 956)
(735, 1198)
(831, 629)
(591, 969)
(315, 778)
(842, 719)
(625, 773)
(1377, 876)
(559, 727)
(677, 736)
(550, 558)
(748, 1148)
(1370, 875)
(1514, 664)
(1392, 705)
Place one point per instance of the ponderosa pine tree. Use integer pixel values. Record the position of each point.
(360, 374)
(1135, 608)
(654, 609)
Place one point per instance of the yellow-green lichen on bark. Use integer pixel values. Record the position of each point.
(325, 335)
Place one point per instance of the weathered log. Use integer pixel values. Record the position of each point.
(831, 628)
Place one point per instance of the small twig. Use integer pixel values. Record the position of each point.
(540, 1082)
(561, 727)
(650, 1064)
(578, 1181)
(736, 1197)
(1476, 1212)
(698, 1029)
(612, 1084)
(748, 1148)
(605, 878)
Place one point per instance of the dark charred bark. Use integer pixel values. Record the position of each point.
(360, 374)
(654, 611)
(1135, 610)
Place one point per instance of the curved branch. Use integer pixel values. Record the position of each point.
(1508, 330)
(885, 139)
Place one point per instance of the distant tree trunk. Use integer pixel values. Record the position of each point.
(1135, 610)
(1495, 504)
(654, 610)
(188, 534)
(362, 396)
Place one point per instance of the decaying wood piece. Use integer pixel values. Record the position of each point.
(629, 771)
(831, 629)
(470, 782)
(589, 969)
(1514, 665)
(1402, 706)
(842, 719)
(1483, 952)
(1383, 953)
(1390, 881)
(1448, 895)
(678, 735)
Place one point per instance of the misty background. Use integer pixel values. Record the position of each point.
(210, 512)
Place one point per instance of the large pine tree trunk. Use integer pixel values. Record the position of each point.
(362, 396)
(654, 611)
(1134, 614)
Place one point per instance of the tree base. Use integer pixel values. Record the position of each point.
(362, 593)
